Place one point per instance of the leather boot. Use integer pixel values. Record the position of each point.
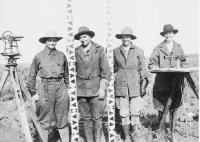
(127, 133)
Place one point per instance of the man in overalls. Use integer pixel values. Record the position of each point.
(53, 105)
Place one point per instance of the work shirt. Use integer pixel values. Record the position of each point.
(47, 64)
(129, 71)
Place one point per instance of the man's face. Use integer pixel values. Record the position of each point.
(51, 43)
(126, 40)
(169, 36)
(85, 39)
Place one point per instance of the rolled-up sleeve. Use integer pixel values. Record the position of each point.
(31, 82)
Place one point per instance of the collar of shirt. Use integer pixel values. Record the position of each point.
(127, 48)
(50, 51)
(87, 49)
(169, 46)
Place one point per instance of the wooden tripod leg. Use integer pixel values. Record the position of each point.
(192, 84)
(172, 122)
(169, 101)
(21, 107)
(166, 109)
(3, 80)
(30, 108)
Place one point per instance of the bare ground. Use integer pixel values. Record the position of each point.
(186, 129)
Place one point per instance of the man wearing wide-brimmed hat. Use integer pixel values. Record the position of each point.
(161, 58)
(53, 105)
(93, 74)
(130, 81)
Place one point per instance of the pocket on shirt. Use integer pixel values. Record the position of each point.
(44, 68)
(60, 67)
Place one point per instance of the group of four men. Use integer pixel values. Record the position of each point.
(93, 76)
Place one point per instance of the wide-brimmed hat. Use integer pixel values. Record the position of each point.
(126, 31)
(49, 34)
(168, 28)
(84, 30)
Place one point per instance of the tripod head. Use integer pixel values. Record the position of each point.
(10, 47)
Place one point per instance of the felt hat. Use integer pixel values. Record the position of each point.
(168, 28)
(84, 30)
(49, 34)
(126, 31)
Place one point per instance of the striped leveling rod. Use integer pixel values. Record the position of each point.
(111, 97)
(72, 75)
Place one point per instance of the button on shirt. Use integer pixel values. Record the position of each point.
(47, 64)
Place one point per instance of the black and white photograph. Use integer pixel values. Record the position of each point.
(99, 70)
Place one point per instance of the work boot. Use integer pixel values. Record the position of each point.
(127, 133)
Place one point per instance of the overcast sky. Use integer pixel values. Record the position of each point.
(30, 18)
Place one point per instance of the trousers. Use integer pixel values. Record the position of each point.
(129, 109)
(53, 105)
(91, 110)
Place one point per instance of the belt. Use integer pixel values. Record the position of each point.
(51, 79)
(88, 77)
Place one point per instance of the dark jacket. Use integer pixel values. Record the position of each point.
(89, 73)
(129, 72)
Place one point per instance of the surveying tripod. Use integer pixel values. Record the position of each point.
(22, 97)
(181, 74)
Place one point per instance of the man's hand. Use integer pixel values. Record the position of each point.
(34, 98)
(143, 92)
(155, 67)
(101, 94)
(144, 85)
(102, 88)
